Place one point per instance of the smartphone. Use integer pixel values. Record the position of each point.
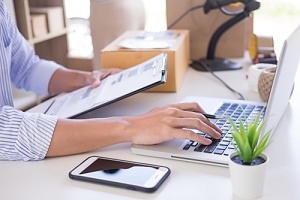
(121, 173)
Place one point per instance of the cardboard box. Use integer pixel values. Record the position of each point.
(110, 19)
(54, 15)
(232, 44)
(178, 58)
(38, 24)
(84, 63)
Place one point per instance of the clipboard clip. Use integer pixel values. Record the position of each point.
(159, 66)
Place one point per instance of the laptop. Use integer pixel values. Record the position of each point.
(141, 77)
(218, 152)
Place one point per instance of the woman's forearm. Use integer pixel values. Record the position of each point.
(67, 80)
(76, 136)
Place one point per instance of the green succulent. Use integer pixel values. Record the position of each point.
(248, 144)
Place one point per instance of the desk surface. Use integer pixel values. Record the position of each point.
(48, 179)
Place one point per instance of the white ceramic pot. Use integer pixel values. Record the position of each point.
(248, 181)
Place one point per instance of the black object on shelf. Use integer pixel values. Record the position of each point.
(221, 64)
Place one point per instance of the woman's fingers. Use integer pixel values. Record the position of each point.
(183, 106)
(197, 124)
(191, 135)
(109, 71)
(98, 75)
(190, 119)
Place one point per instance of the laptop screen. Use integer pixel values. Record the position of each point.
(283, 81)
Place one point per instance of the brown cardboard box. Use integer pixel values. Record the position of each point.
(54, 15)
(38, 24)
(178, 58)
(80, 63)
(110, 19)
(232, 43)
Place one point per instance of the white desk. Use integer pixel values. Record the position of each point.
(48, 179)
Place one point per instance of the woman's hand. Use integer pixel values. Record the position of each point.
(94, 79)
(68, 80)
(171, 122)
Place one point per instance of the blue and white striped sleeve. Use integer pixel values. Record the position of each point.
(37, 76)
(24, 136)
(26, 69)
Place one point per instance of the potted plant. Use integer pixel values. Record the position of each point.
(247, 165)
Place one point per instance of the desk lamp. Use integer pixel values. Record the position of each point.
(220, 64)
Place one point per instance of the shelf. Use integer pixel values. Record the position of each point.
(48, 36)
(51, 46)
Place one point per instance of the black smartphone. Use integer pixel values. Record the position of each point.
(121, 173)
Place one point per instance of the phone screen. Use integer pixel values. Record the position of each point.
(119, 171)
(140, 176)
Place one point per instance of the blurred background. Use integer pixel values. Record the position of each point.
(274, 18)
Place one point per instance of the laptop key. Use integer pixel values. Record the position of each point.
(208, 137)
(221, 147)
(188, 145)
(194, 144)
(219, 151)
(200, 148)
(227, 152)
(226, 140)
(214, 142)
(224, 143)
(210, 149)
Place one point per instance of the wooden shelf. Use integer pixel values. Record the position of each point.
(49, 36)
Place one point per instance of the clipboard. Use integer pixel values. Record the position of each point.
(131, 81)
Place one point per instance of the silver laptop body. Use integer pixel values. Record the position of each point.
(279, 97)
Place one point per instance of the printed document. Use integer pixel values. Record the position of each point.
(113, 88)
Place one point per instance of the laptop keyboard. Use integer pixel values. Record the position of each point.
(224, 145)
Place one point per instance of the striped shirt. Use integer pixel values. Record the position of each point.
(23, 136)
